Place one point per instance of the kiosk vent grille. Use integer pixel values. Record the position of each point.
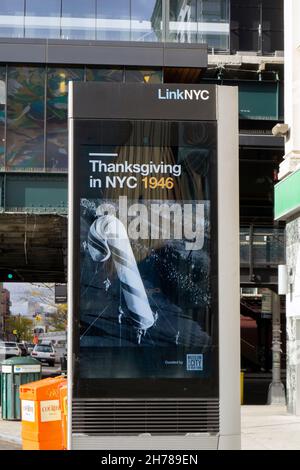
(133, 417)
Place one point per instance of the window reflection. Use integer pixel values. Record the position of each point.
(31, 144)
(57, 105)
(143, 76)
(188, 21)
(113, 20)
(25, 118)
(102, 74)
(200, 21)
(183, 21)
(12, 18)
(42, 19)
(78, 19)
(146, 20)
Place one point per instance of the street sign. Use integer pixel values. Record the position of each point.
(266, 304)
(60, 293)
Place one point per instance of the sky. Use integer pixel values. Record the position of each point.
(20, 293)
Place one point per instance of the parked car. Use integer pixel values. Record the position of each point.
(44, 353)
(30, 347)
(63, 363)
(9, 349)
(23, 349)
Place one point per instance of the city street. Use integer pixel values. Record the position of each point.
(50, 371)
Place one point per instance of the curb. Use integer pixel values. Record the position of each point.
(12, 439)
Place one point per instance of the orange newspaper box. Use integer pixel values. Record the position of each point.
(63, 389)
(41, 414)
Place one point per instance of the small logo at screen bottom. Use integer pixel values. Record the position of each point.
(194, 362)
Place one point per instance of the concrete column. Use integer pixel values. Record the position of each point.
(292, 87)
(293, 315)
(297, 411)
(276, 394)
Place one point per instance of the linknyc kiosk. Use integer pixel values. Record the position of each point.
(154, 340)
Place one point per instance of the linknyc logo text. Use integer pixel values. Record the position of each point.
(184, 95)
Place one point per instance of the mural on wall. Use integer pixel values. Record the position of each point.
(36, 113)
(25, 118)
(57, 114)
(103, 74)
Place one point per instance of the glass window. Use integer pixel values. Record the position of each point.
(245, 21)
(57, 106)
(103, 74)
(25, 118)
(146, 20)
(44, 348)
(12, 18)
(213, 10)
(2, 115)
(272, 14)
(143, 76)
(183, 21)
(78, 19)
(42, 19)
(213, 23)
(113, 20)
(201, 21)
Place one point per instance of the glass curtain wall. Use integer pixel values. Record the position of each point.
(113, 20)
(57, 109)
(200, 21)
(78, 19)
(129, 20)
(42, 19)
(12, 18)
(103, 74)
(146, 17)
(257, 25)
(134, 75)
(25, 118)
(33, 112)
(119, 20)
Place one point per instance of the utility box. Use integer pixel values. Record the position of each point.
(42, 414)
(16, 371)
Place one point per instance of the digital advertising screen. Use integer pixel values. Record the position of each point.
(146, 234)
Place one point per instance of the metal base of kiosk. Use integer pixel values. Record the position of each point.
(147, 442)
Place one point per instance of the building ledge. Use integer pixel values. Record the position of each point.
(240, 59)
(260, 140)
(148, 54)
(290, 164)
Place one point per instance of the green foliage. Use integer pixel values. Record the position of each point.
(23, 327)
(58, 321)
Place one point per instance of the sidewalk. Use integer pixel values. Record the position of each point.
(269, 428)
(10, 431)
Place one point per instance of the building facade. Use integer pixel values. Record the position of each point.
(43, 45)
(4, 311)
(287, 201)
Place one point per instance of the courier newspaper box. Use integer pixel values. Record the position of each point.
(41, 414)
